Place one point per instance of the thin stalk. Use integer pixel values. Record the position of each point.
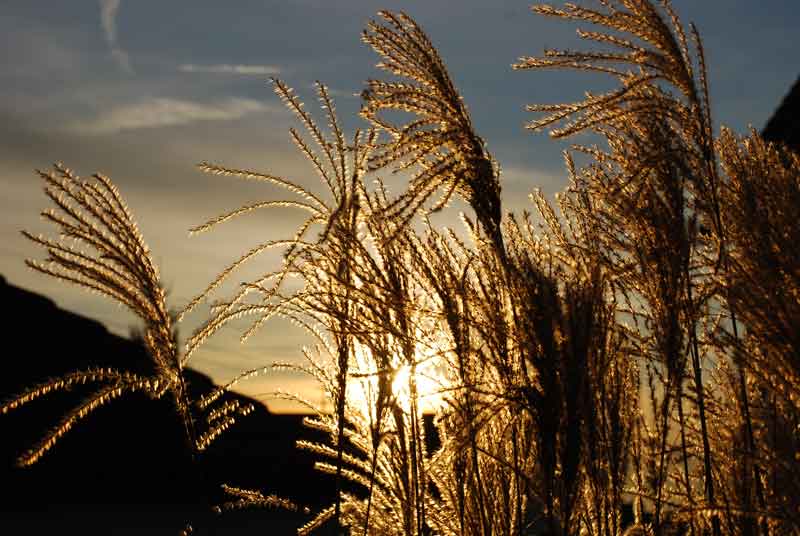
(373, 467)
(340, 407)
(662, 455)
(518, 497)
(684, 451)
(182, 399)
(701, 409)
(748, 422)
(343, 270)
(417, 474)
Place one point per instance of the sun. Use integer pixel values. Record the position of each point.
(427, 381)
(426, 376)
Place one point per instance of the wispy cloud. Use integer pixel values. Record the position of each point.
(164, 112)
(333, 92)
(225, 68)
(108, 20)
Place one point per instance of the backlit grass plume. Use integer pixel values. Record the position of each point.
(650, 191)
(662, 210)
(762, 281)
(323, 254)
(439, 145)
(633, 347)
(100, 249)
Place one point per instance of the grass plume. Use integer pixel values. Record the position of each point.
(634, 343)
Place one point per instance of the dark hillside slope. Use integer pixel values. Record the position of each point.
(127, 465)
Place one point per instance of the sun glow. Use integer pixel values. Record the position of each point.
(426, 377)
(427, 383)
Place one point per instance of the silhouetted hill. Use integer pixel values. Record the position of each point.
(126, 467)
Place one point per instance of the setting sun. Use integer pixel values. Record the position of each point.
(429, 386)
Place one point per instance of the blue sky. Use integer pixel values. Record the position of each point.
(143, 90)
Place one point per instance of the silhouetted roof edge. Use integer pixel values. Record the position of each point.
(784, 125)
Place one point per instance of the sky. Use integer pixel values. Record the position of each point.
(144, 90)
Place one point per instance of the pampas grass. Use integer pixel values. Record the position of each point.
(635, 344)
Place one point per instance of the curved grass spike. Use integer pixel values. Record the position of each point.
(101, 250)
(440, 145)
(330, 163)
(326, 300)
(242, 499)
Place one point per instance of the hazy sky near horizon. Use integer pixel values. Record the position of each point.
(143, 90)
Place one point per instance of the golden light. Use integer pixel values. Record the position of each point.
(427, 382)
(425, 378)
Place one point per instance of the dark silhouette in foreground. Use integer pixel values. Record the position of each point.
(126, 469)
(784, 125)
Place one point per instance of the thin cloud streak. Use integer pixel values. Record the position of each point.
(165, 112)
(224, 68)
(108, 20)
(340, 93)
